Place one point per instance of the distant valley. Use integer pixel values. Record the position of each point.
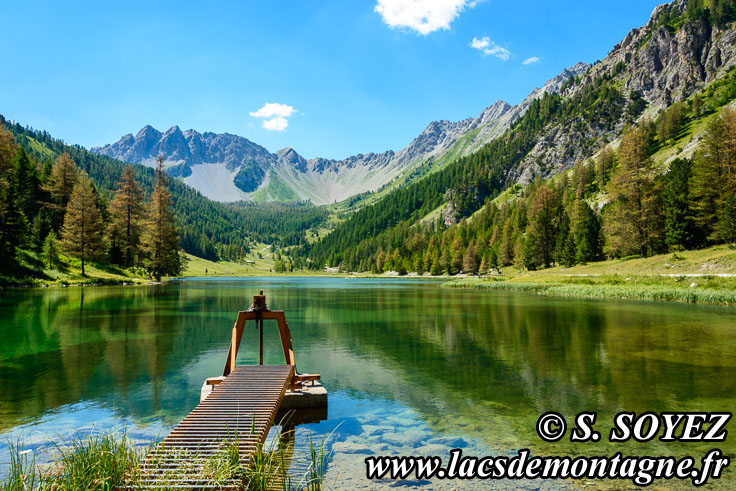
(226, 167)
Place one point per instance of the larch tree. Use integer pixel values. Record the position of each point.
(470, 260)
(604, 165)
(7, 151)
(8, 208)
(81, 234)
(160, 239)
(126, 214)
(632, 222)
(64, 175)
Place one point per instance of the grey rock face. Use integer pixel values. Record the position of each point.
(663, 66)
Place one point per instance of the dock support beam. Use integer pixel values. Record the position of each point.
(239, 327)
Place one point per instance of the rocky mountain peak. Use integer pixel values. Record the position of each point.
(291, 157)
(148, 132)
(494, 111)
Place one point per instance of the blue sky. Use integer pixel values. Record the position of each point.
(342, 77)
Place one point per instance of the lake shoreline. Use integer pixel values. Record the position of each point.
(659, 291)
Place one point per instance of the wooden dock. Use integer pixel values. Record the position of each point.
(245, 403)
(241, 407)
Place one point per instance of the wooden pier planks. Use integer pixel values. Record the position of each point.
(245, 402)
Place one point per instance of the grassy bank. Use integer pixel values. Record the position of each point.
(611, 290)
(30, 270)
(107, 460)
(198, 267)
(691, 276)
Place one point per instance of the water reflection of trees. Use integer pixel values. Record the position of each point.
(459, 357)
(115, 345)
(477, 362)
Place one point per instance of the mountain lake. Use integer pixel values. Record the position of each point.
(411, 368)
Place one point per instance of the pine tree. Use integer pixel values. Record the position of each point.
(604, 165)
(39, 230)
(676, 199)
(81, 234)
(419, 265)
(24, 184)
(519, 251)
(50, 252)
(565, 244)
(541, 235)
(126, 214)
(436, 268)
(586, 230)
(726, 227)
(506, 247)
(714, 179)
(160, 240)
(446, 260)
(493, 260)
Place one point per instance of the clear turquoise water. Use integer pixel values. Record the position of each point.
(411, 368)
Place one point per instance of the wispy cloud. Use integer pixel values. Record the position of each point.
(423, 16)
(531, 61)
(488, 47)
(275, 115)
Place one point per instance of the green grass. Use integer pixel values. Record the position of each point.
(276, 190)
(710, 261)
(100, 461)
(666, 279)
(43, 151)
(457, 149)
(30, 270)
(103, 461)
(687, 276)
(261, 255)
(607, 291)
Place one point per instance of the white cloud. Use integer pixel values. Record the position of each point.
(274, 115)
(531, 61)
(275, 124)
(424, 16)
(488, 47)
(271, 109)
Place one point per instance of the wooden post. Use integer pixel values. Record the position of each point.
(237, 335)
(234, 342)
(260, 329)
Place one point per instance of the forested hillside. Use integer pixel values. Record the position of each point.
(208, 229)
(648, 209)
